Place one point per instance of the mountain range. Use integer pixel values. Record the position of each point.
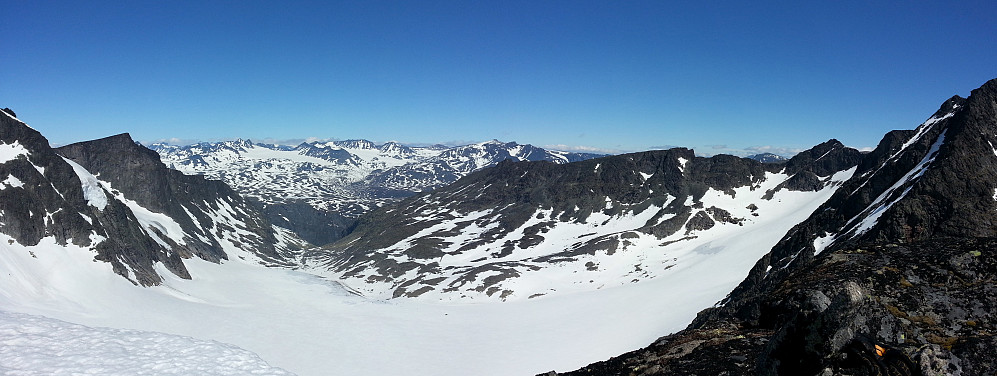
(499, 258)
(522, 230)
(318, 189)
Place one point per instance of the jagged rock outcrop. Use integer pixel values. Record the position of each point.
(902, 257)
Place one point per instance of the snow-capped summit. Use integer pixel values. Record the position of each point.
(355, 144)
(768, 158)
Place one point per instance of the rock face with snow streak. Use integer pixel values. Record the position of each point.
(116, 198)
(528, 229)
(938, 180)
(902, 255)
(318, 189)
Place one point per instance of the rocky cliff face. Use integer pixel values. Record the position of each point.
(501, 233)
(117, 199)
(900, 257)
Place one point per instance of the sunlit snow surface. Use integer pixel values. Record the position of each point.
(311, 326)
(36, 345)
(9, 152)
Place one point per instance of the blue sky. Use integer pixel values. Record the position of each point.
(610, 76)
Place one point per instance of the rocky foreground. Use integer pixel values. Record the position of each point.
(933, 301)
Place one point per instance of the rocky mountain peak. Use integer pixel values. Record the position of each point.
(128, 166)
(240, 143)
(356, 144)
(13, 130)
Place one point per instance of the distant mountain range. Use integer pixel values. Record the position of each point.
(317, 189)
(768, 158)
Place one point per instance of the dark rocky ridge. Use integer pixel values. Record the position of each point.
(574, 192)
(910, 266)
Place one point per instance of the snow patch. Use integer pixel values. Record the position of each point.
(9, 152)
(12, 182)
(92, 191)
(821, 243)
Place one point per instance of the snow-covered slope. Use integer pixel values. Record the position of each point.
(117, 200)
(526, 230)
(340, 179)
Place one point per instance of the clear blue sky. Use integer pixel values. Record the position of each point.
(621, 76)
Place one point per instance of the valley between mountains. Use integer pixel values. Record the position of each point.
(350, 257)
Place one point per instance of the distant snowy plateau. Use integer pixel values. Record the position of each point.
(516, 269)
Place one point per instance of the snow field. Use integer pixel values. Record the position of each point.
(36, 345)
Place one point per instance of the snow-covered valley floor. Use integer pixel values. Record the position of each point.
(311, 326)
